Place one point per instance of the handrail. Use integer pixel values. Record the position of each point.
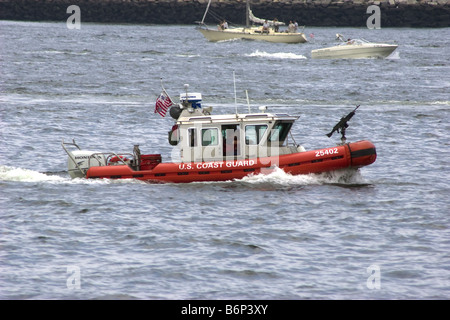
(70, 155)
(111, 154)
(102, 158)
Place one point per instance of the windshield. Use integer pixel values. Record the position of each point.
(280, 131)
(254, 133)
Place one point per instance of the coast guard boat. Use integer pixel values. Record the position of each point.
(220, 148)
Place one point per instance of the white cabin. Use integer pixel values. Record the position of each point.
(205, 137)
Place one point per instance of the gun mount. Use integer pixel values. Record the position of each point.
(342, 125)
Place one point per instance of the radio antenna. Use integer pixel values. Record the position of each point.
(248, 101)
(235, 98)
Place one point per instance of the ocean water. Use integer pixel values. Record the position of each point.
(382, 232)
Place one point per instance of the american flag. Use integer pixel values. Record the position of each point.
(163, 103)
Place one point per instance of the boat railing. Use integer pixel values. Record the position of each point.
(108, 156)
(73, 143)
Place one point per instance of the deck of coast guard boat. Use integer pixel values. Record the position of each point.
(220, 147)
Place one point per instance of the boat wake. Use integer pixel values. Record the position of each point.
(344, 177)
(25, 175)
(394, 55)
(12, 174)
(278, 55)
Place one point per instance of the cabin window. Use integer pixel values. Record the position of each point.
(174, 135)
(231, 138)
(210, 137)
(192, 136)
(254, 133)
(280, 131)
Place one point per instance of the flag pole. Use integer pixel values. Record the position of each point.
(162, 86)
(164, 89)
(162, 105)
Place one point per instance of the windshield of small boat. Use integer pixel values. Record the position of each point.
(354, 42)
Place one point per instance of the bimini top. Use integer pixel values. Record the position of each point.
(233, 118)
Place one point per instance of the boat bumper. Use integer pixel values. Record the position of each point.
(362, 153)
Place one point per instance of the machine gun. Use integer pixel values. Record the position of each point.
(342, 125)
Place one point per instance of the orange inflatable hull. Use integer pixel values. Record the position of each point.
(351, 155)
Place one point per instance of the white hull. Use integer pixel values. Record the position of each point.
(252, 34)
(354, 51)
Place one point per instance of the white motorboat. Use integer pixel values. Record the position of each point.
(354, 49)
(262, 33)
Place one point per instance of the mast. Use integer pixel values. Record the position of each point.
(206, 11)
(247, 14)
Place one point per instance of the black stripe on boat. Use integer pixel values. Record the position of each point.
(363, 153)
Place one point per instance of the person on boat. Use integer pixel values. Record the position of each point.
(291, 27)
(350, 41)
(231, 149)
(275, 25)
(295, 26)
(265, 28)
(223, 25)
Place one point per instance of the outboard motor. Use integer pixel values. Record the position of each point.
(81, 160)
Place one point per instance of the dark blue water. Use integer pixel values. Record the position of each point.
(264, 237)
